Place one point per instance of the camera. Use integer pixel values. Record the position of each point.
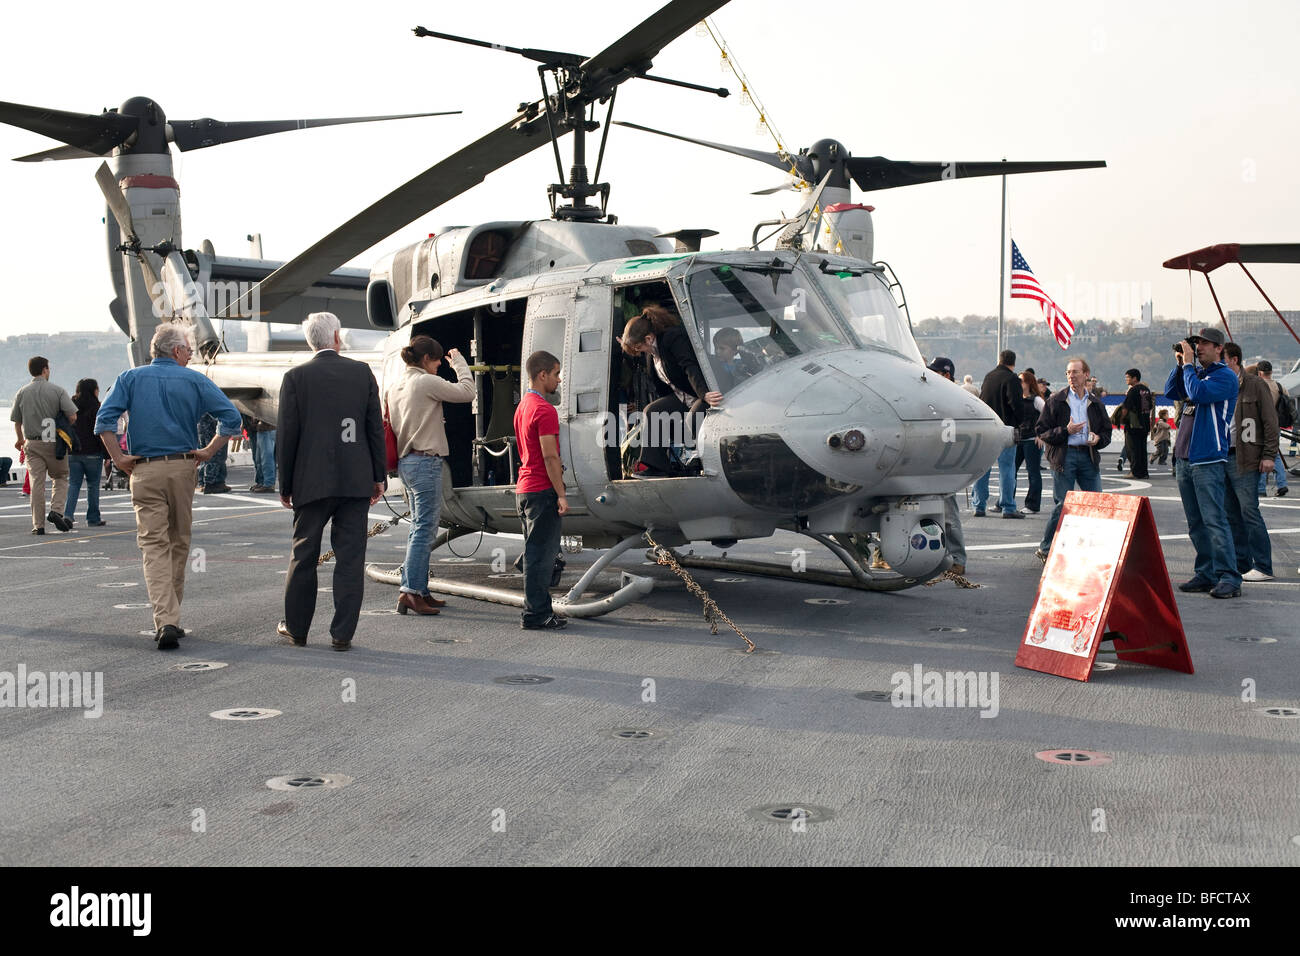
(1177, 345)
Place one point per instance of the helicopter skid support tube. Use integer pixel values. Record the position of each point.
(859, 578)
(632, 587)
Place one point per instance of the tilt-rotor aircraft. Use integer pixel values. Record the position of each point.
(839, 432)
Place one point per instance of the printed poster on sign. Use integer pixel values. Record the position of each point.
(1084, 556)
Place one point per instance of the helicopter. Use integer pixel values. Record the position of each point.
(840, 429)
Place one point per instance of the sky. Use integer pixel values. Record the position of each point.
(1192, 105)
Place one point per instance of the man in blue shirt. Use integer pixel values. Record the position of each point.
(165, 401)
(1201, 459)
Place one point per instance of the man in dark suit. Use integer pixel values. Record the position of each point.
(330, 458)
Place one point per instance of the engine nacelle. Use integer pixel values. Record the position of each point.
(847, 230)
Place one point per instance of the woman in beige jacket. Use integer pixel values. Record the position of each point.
(414, 404)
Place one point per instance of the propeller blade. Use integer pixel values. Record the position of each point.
(186, 301)
(635, 49)
(97, 133)
(433, 187)
(200, 133)
(877, 172)
(772, 159)
(58, 152)
(468, 167)
(775, 189)
(121, 211)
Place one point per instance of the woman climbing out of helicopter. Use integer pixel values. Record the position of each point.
(413, 406)
(657, 333)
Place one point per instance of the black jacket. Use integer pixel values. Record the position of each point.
(678, 356)
(1054, 423)
(330, 435)
(1001, 392)
(87, 410)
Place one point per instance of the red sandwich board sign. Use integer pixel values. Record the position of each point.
(1105, 581)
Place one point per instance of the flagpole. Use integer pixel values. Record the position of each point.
(1002, 268)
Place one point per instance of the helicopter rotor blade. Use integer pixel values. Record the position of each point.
(121, 211)
(772, 159)
(772, 190)
(58, 152)
(636, 48)
(96, 133)
(201, 133)
(877, 172)
(469, 166)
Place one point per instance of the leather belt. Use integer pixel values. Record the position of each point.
(179, 456)
(426, 454)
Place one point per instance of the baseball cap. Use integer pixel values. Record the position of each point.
(943, 366)
(1209, 335)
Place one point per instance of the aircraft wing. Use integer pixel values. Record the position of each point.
(1211, 257)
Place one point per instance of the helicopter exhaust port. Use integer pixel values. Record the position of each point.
(851, 440)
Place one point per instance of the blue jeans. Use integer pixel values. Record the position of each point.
(541, 520)
(1007, 479)
(1080, 472)
(1279, 476)
(89, 468)
(422, 475)
(979, 495)
(1203, 488)
(263, 458)
(212, 471)
(1249, 534)
(1033, 458)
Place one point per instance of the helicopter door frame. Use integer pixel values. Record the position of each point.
(547, 326)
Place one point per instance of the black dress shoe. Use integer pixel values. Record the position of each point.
(38, 531)
(97, 524)
(168, 637)
(341, 645)
(979, 513)
(1281, 492)
(283, 630)
(60, 522)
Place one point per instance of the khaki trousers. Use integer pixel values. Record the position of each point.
(40, 462)
(162, 493)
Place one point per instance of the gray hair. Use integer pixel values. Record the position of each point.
(169, 336)
(319, 327)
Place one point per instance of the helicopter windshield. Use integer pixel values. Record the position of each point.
(865, 301)
(752, 315)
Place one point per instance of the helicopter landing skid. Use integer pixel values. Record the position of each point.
(859, 577)
(632, 587)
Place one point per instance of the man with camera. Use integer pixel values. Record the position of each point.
(1209, 392)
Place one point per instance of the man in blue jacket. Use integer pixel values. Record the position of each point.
(1201, 459)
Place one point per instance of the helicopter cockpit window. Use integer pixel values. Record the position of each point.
(865, 301)
(769, 307)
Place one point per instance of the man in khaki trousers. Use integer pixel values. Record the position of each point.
(36, 406)
(165, 400)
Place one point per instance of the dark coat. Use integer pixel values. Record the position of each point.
(1001, 392)
(330, 434)
(1053, 428)
(680, 363)
(1255, 418)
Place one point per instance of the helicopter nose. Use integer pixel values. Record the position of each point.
(858, 421)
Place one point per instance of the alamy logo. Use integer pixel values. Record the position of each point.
(103, 909)
(922, 688)
(84, 689)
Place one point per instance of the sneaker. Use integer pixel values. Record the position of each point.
(283, 630)
(1281, 492)
(997, 509)
(220, 489)
(1196, 586)
(1256, 575)
(38, 531)
(1013, 514)
(552, 623)
(1222, 590)
(979, 513)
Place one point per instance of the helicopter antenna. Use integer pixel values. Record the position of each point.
(578, 85)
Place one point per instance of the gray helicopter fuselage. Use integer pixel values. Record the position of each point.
(773, 453)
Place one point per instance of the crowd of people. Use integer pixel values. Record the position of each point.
(1224, 438)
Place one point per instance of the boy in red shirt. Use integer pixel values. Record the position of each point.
(539, 492)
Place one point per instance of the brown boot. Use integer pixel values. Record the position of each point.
(414, 602)
(432, 601)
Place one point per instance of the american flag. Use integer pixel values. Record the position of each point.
(1025, 286)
